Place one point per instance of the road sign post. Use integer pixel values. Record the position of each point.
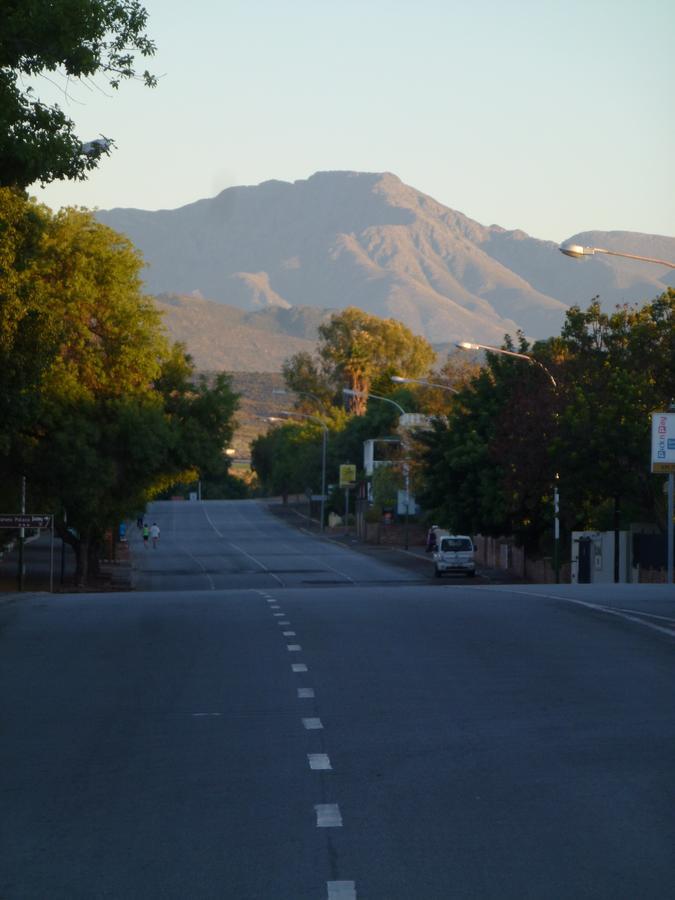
(347, 481)
(663, 461)
(25, 520)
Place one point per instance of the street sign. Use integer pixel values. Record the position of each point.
(663, 442)
(24, 520)
(347, 475)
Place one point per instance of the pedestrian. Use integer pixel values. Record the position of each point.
(139, 522)
(154, 534)
(431, 539)
(146, 535)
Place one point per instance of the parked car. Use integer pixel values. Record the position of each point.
(455, 553)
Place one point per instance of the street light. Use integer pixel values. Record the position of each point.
(292, 414)
(284, 393)
(468, 345)
(576, 251)
(351, 393)
(399, 379)
(406, 468)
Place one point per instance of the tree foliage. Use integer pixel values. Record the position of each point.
(99, 412)
(61, 39)
(358, 351)
(491, 467)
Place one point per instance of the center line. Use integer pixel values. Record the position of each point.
(312, 724)
(293, 648)
(341, 890)
(285, 622)
(305, 693)
(299, 667)
(319, 761)
(328, 815)
(288, 633)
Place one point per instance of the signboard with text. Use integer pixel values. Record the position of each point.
(347, 475)
(663, 442)
(24, 520)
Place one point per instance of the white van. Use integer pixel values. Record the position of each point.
(455, 553)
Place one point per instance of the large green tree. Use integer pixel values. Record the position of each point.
(358, 351)
(100, 412)
(60, 40)
(491, 467)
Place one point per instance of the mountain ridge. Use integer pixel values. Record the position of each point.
(340, 239)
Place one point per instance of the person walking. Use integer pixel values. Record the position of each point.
(154, 534)
(146, 535)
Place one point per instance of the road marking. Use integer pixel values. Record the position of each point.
(598, 608)
(256, 561)
(319, 761)
(199, 715)
(275, 607)
(201, 566)
(312, 724)
(305, 693)
(299, 667)
(278, 614)
(293, 648)
(341, 890)
(328, 815)
(283, 623)
(288, 633)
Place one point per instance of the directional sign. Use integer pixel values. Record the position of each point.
(24, 520)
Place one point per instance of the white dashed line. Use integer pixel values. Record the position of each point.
(328, 815)
(286, 622)
(312, 724)
(288, 633)
(275, 607)
(341, 890)
(319, 761)
(305, 693)
(293, 648)
(277, 614)
(202, 715)
(299, 667)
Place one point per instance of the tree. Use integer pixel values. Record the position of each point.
(111, 414)
(358, 351)
(491, 467)
(73, 39)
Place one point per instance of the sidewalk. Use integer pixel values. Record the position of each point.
(114, 575)
(414, 559)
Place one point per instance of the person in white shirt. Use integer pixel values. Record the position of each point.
(154, 534)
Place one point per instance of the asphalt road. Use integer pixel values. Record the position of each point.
(320, 727)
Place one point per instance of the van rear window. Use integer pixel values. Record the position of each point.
(454, 544)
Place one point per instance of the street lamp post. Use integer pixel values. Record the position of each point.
(468, 345)
(399, 379)
(406, 467)
(324, 443)
(577, 252)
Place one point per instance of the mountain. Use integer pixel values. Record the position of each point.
(221, 337)
(342, 239)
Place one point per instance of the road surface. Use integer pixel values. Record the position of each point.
(273, 716)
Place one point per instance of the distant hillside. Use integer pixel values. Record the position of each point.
(368, 240)
(222, 337)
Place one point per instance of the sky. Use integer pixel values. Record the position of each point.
(549, 116)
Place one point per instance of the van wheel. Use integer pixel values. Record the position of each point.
(437, 572)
